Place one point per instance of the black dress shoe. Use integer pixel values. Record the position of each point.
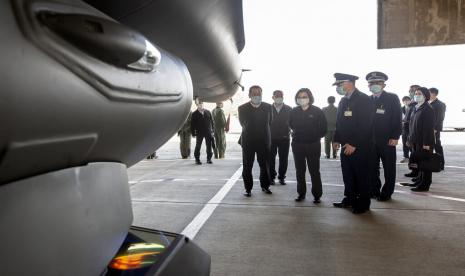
(247, 194)
(360, 210)
(267, 191)
(282, 182)
(342, 204)
(299, 198)
(209, 162)
(272, 182)
(384, 198)
(316, 200)
(198, 162)
(420, 189)
(411, 174)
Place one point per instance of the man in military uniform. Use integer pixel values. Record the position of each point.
(387, 128)
(354, 132)
(255, 118)
(440, 112)
(331, 115)
(220, 136)
(185, 138)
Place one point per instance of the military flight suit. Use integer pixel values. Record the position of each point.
(331, 115)
(185, 138)
(354, 127)
(219, 121)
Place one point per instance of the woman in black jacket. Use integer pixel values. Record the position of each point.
(421, 134)
(308, 124)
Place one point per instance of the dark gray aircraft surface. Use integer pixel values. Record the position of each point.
(90, 88)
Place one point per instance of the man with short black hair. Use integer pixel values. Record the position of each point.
(440, 112)
(280, 141)
(255, 117)
(202, 127)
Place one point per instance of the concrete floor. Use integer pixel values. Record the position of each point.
(414, 234)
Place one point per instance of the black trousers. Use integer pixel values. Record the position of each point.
(405, 148)
(387, 154)
(198, 145)
(426, 177)
(307, 155)
(262, 150)
(355, 174)
(280, 147)
(438, 147)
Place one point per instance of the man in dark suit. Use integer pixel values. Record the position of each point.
(255, 117)
(406, 123)
(280, 141)
(202, 127)
(440, 113)
(406, 101)
(387, 127)
(354, 133)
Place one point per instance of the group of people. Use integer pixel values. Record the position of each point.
(204, 125)
(365, 128)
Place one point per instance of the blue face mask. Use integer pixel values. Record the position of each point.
(340, 91)
(420, 99)
(278, 100)
(256, 100)
(376, 88)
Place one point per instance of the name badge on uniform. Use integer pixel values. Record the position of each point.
(380, 111)
(348, 113)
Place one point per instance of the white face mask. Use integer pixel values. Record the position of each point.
(278, 100)
(200, 107)
(340, 90)
(420, 99)
(376, 88)
(303, 101)
(256, 100)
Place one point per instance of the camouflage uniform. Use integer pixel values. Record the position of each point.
(220, 136)
(185, 137)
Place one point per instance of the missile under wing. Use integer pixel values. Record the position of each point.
(89, 89)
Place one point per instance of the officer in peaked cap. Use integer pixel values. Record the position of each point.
(387, 128)
(354, 133)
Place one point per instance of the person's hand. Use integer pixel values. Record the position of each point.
(336, 145)
(393, 142)
(426, 147)
(348, 149)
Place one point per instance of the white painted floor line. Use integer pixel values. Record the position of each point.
(429, 195)
(455, 167)
(193, 228)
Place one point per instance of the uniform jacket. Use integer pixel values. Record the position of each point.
(407, 117)
(202, 125)
(218, 118)
(387, 121)
(439, 112)
(308, 126)
(421, 132)
(186, 127)
(280, 126)
(354, 120)
(330, 112)
(255, 122)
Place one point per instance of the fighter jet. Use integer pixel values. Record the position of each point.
(89, 88)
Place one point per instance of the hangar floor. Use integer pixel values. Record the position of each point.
(414, 233)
